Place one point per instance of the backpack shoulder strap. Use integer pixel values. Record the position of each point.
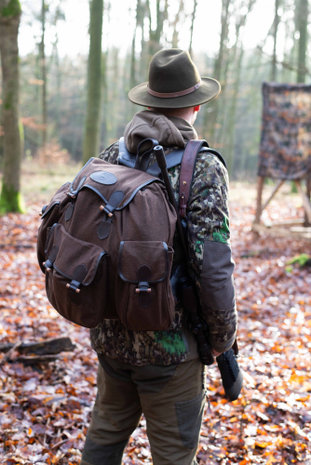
(172, 159)
(125, 157)
(186, 173)
(191, 151)
(129, 159)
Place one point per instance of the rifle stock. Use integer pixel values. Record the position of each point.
(231, 375)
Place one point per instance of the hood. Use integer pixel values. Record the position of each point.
(168, 131)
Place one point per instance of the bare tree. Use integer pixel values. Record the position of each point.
(234, 69)
(175, 37)
(194, 11)
(276, 23)
(302, 13)
(155, 34)
(10, 12)
(211, 112)
(93, 113)
(43, 73)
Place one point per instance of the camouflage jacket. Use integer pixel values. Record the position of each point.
(210, 255)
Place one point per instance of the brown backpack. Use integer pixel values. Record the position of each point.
(105, 246)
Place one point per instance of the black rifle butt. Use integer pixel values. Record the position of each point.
(231, 374)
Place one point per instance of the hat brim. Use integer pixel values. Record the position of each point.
(209, 89)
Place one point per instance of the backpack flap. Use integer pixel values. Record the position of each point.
(75, 274)
(115, 185)
(145, 299)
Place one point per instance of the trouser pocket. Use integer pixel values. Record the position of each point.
(189, 417)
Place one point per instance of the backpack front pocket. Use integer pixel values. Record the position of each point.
(76, 274)
(144, 299)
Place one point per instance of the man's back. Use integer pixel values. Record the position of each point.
(159, 373)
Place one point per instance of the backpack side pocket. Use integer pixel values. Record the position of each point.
(50, 215)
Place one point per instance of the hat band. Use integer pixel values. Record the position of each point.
(173, 94)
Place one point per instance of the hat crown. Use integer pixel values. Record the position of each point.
(171, 71)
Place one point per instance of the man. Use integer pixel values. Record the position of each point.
(158, 373)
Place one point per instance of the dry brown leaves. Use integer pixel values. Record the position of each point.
(45, 409)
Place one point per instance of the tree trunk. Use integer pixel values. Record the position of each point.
(93, 112)
(275, 35)
(133, 50)
(195, 4)
(105, 100)
(175, 37)
(302, 28)
(10, 200)
(43, 76)
(155, 35)
(234, 63)
(211, 112)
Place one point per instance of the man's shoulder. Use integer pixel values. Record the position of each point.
(210, 169)
(111, 153)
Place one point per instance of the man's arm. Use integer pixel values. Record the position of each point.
(210, 252)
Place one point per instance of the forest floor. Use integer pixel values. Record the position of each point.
(45, 406)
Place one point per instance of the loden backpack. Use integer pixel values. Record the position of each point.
(105, 243)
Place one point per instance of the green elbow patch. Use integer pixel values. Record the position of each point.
(223, 234)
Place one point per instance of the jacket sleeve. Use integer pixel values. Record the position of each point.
(209, 249)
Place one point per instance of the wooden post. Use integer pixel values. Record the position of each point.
(308, 189)
(305, 201)
(277, 187)
(260, 182)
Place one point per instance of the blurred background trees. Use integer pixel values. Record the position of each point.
(56, 96)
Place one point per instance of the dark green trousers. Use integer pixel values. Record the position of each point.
(171, 399)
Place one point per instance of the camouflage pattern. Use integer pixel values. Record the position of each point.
(285, 149)
(207, 219)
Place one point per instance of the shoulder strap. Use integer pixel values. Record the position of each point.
(129, 159)
(186, 172)
(191, 151)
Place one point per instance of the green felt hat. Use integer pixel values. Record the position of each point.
(174, 82)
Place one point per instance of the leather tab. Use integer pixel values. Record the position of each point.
(74, 285)
(143, 276)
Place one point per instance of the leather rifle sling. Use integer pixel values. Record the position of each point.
(186, 173)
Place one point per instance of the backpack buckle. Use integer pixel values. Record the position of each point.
(48, 265)
(106, 210)
(74, 285)
(143, 286)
